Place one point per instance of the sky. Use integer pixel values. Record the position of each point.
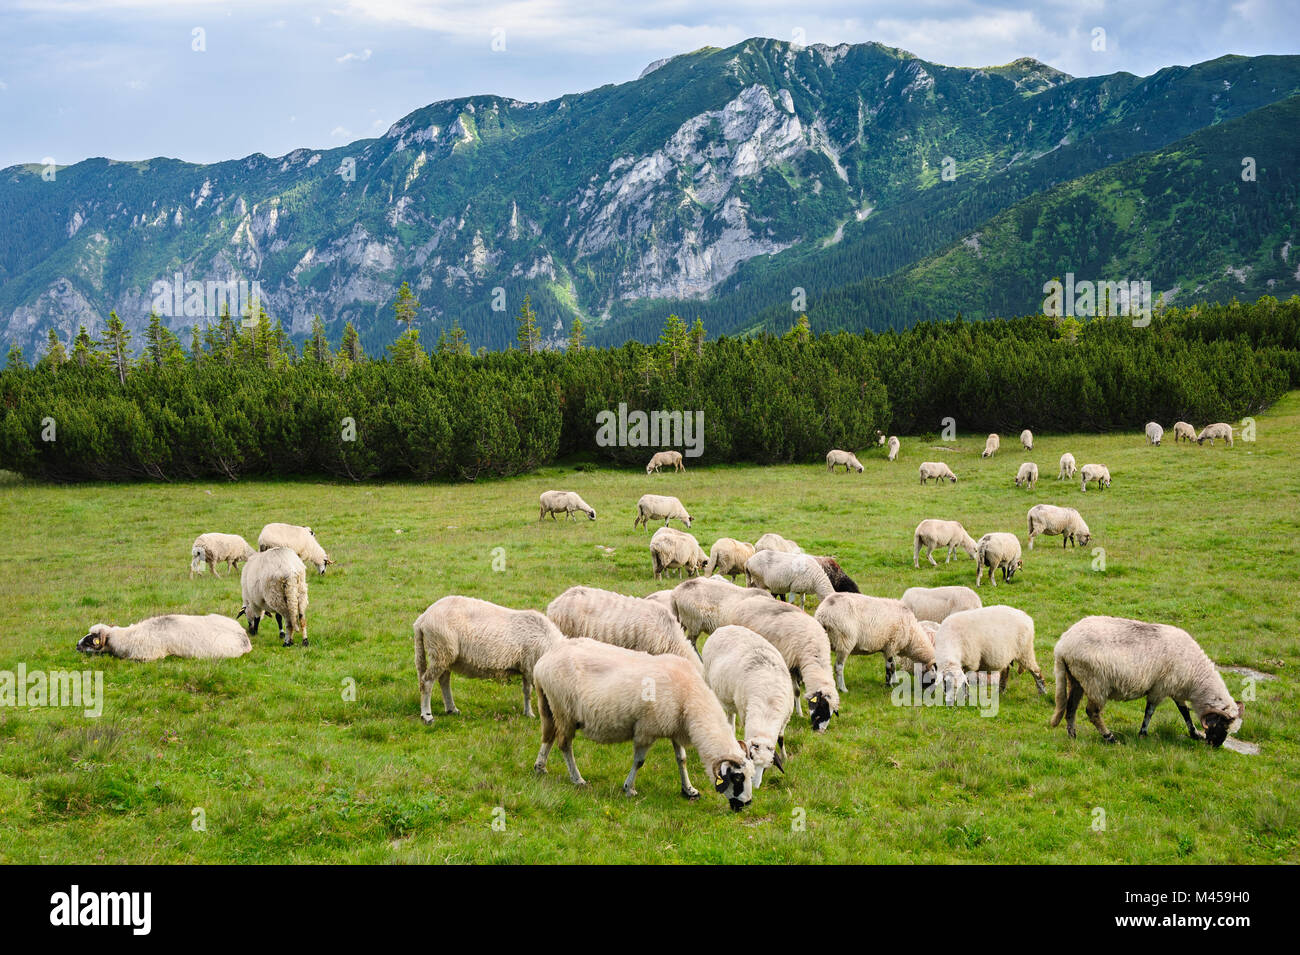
(220, 79)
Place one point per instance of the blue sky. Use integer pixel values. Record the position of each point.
(121, 78)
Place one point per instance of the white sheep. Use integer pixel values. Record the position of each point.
(301, 540)
(989, 639)
(1154, 433)
(1027, 439)
(564, 502)
(991, 445)
(275, 581)
(1027, 476)
(664, 459)
(728, 556)
(750, 679)
(937, 604)
(701, 605)
(1095, 472)
(1184, 431)
(652, 507)
(615, 695)
(931, 535)
(663, 598)
(212, 549)
(623, 621)
(856, 623)
(1050, 520)
(671, 548)
(937, 470)
(998, 551)
(1212, 431)
(784, 575)
(208, 637)
(893, 447)
(1113, 658)
(771, 541)
(475, 638)
(1068, 467)
(846, 459)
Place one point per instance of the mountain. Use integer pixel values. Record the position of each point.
(714, 185)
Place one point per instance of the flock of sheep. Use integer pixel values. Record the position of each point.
(621, 669)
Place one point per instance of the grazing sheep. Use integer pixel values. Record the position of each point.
(893, 447)
(728, 556)
(663, 459)
(1112, 658)
(671, 548)
(991, 446)
(937, 470)
(932, 535)
(702, 604)
(847, 459)
(628, 622)
(1068, 467)
(275, 581)
(841, 581)
(777, 542)
(615, 695)
(564, 502)
(1184, 431)
(996, 551)
(989, 639)
(1212, 431)
(1027, 439)
(301, 540)
(212, 549)
(1027, 476)
(750, 679)
(880, 437)
(1154, 433)
(937, 604)
(856, 623)
(1050, 520)
(784, 574)
(475, 638)
(1095, 472)
(651, 507)
(209, 637)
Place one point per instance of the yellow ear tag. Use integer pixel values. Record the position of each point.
(718, 781)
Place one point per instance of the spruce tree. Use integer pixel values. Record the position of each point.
(117, 346)
(54, 354)
(577, 334)
(529, 337)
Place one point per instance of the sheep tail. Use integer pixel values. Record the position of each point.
(422, 660)
(1062, 675)
(544, 713)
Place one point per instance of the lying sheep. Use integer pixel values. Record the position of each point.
(937, 604)
(209, 637)
(996, 551)
(893, 447)
(931, 535)
(1050, 520)
(1184, 431)
(301, 540)
(701, 605)
(1212, 431)
(784, 575)
(989, 639)
(728, 556)
(847, 459)
(671, 548)
(1068, 467)
(937, 470)
(991, 446)
(615, 695)
(777, 542)
(1095, 472)
(652, 507)
(856, 623)
(1027, 439)
(564, 502)
(840, 581)
(620, 620)
(212, 549)
(663, 459)
(475, 638)
(1154, 433)
(275, 581)
(1111, 658)
(1027, 476)
(750, 679)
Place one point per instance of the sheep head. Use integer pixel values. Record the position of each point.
(96, 641)
(735, 781)
(1219, 723)
(820, 711)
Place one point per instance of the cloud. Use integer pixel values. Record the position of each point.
(349, 57)
(340, 132)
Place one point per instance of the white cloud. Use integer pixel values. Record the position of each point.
(340, 132)
(348, 57)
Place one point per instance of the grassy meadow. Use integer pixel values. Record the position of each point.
(278, 764)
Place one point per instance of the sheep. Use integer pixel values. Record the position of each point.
(856, 623)
(991, 445)
(212, 549)
(615, 695)
(880, 437)
(701, 605)
(989, 639)
(938, 603)
(728, 556)
(564, 502)
(1154, 433)
(623, 621)
(1027, 476)
(995, 551)
(848, 459)
(275, 581)
(786, 574)
(893, 447)
(671, 548)
(750, 679)
(663, 598)
(664, 459)
(1068, 467)
(207, 637)
(1184, 431)
(840, 581)
(777, 542)
(1027, 439)
(937, 470)
(803, 645)
(301, 540)
(932, 534)
(1212, 431)
(1051, 520)
(1095, 472)
(654, 506)
(475, 638)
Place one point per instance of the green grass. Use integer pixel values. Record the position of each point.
(285, 769)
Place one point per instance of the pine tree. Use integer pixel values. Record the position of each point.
(350, 349)
(15, 358)
(530, 339)
(577, 334)
(675, 339)
(197, 355)
(318, 345)
(457, 343)
(117, 346)
(154, 341)
(407, 350)
(697, 338)
(801, 331)
(407, 306)
(54, 354)
(83, 349)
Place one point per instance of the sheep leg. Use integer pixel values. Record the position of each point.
(213, 567)
(689, 791)
(916, 556)
(1152, 703)
(889, 670)
(566, 750)
(1093, 709)
(528, 695)
(930, 557)
(1187, 718)
(279, 622)
(1072, 702)
(841, 658)
(252, 624)
(444, 684)
(638, 760)
(951, 547)
(426, 702)
(798, 706)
